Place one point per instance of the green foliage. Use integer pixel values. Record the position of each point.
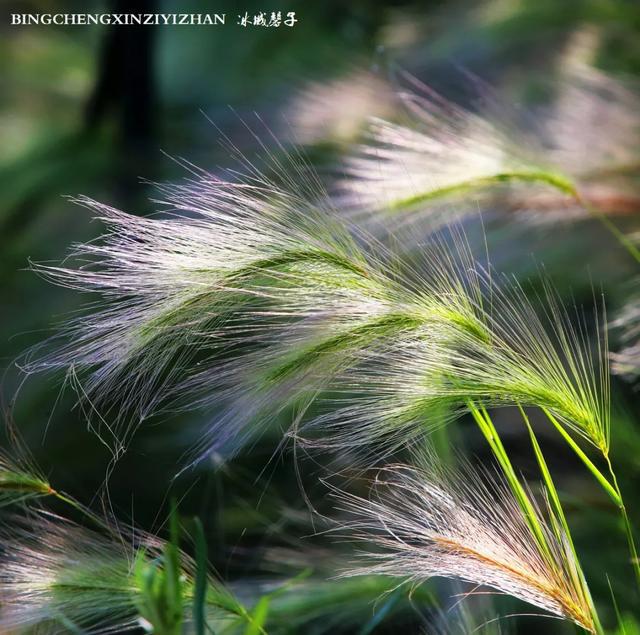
(160, 581)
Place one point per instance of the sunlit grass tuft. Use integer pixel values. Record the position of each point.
(59, 575)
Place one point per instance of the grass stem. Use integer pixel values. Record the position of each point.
(633, 551)
(490, 433)
(611, 487)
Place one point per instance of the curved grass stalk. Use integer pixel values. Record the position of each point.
(548, 481)
(620, 236)
(628, 527)
(558, 181)
(490, 433)
(610, 489)
(559, 520)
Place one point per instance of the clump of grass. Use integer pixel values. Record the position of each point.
(55, 573)
(258, 299)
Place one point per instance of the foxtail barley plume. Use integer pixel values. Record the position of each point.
(583, 155)
(401, 385)
(54, 572)
(314, 118)
(435, 522)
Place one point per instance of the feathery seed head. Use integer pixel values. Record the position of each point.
(434, 522)
(450, 152)
(399, 387)
(20, 481)
(626, 361)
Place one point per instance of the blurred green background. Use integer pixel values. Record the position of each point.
(92, 110)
